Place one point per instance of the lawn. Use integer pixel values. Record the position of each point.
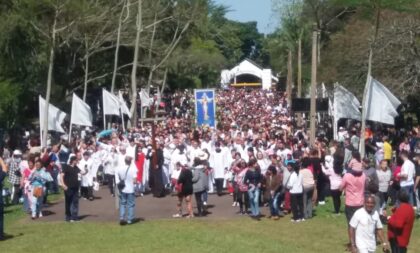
(325, 233)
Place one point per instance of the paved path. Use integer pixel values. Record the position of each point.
(147, 208)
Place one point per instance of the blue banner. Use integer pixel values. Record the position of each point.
(205, 107)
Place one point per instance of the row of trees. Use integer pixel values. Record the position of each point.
(57, 47)
(349, 31)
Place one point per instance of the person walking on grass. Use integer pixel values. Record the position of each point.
(69, 181)
(309, 189)
(400, 224)
(384, 178)
(273, 186)
(366, 228)
(353, 184)
(3, 174)
(38, 180)
(407, 176)
(15, 176)
(125, 178)
(295, 186)
(334, 172)
(253, 179)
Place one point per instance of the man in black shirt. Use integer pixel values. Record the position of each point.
(70, 183)
(3, 174)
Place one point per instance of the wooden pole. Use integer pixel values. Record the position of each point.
(313, 86)
(289, 78)
(299, 81)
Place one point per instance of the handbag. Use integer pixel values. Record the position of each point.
(38, 192)
(178, 187)
(121, 184)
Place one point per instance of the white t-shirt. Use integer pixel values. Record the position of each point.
(407, 169)
(365, 225)
(128, 179)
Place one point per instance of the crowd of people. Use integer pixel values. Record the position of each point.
(256, 153)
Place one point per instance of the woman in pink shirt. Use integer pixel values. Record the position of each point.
(353, 184)
(355, 163)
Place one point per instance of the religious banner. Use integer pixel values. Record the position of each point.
(205, 107)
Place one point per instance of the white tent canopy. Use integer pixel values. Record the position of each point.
(247, 67)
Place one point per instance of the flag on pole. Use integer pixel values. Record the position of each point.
(111, 105)
(146, 101)
(81, 113)
(123, 106)
(55, 116)
(346, 105)
(381, 105)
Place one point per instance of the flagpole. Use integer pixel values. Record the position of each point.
(71, 125)
(122, 120)
(103, 109)
(40, 121)
(364, 108)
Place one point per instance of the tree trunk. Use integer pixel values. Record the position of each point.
(313, 87)
(86, 69)
(151, 67)
(44, 136)
(117, 49)
(133, 109)
(299, 81)
(289, 78)
(363, 127)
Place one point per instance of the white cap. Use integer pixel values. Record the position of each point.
(17, 152)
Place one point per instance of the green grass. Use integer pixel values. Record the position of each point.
(324, 233)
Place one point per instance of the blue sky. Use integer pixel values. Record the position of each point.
(251, 10)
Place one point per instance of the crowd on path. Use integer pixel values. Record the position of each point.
(256, 154)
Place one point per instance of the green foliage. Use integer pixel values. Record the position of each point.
(9, 103)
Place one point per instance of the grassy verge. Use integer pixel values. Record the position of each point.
(325, 233)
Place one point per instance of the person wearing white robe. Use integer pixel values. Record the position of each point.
(193, 152)
(178, 159)
(219, 163)
(85, 165)
(110, 164)
(167, 155)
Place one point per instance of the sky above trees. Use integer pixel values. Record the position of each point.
(251, 10)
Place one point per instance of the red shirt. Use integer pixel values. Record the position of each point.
(139, 164)
(400, 224)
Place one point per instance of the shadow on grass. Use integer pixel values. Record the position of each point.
(9, 237)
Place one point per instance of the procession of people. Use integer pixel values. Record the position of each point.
(256, 153)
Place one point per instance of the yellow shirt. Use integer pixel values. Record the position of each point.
(387, 151)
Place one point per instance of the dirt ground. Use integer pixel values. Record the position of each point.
(103, 208)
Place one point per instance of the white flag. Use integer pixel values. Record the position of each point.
(123, 105)
(381, 105)
(111, 105)
(55, 116)
(80, 112)
(146, 101)
(346, 105)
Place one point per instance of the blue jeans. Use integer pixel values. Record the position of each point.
(72, 203)
(127, 202)
(274, 204)
(54, 183)
(254, 198)
(410, 191)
